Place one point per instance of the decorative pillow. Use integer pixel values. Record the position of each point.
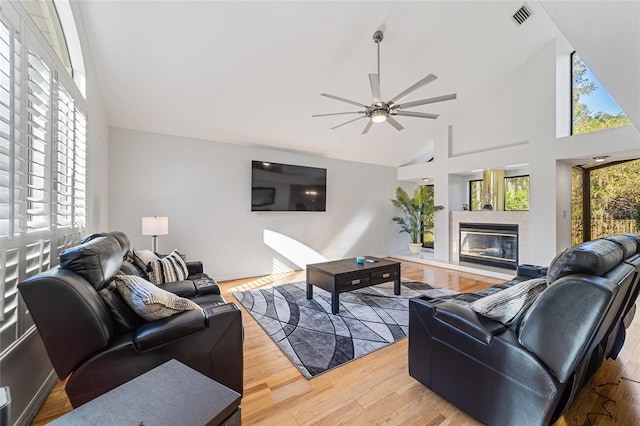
(148, 301)
(124, 319)
(169, 269)
(505, 305)
(141, 258)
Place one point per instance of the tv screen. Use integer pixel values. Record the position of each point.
(285, 187)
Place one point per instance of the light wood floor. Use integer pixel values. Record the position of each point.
(377, 389)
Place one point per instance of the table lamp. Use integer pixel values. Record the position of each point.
(155, 226)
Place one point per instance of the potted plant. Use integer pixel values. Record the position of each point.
(417, 212)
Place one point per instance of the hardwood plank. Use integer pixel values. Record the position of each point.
(377, 389)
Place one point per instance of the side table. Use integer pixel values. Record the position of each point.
(170, 394)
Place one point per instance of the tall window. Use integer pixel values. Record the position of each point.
(43, 140)
(428, 225)
(475, 194)
(604, 199)
(592, 108)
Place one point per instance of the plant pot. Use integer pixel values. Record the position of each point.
(415, 248)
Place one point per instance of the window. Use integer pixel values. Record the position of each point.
(43, 140)
(428, 225)
(475, 195)
(45, 16)
(592, 108)
(604, 199)
(516, 193)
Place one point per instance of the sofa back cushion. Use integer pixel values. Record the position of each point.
(563, 322)
(97, 260)
(627, 242)
(595, 257)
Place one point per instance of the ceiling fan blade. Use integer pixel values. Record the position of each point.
(416, 114)
(338, 98)
(367, 127)
(428, 79)
(427, 101)
(347, 122)
(394, 123)
(374, 79)
(338, 113)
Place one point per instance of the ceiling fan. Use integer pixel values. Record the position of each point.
(380, 111)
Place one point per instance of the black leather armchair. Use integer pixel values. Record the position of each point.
(81, 334)
(529, 373)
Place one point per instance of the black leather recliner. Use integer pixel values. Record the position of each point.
(529, 373)
(99, 349)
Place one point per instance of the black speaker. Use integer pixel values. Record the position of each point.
(5, 404)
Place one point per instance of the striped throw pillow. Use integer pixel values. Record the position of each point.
(505, 305)
(168, 269)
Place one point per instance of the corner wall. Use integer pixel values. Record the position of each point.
(204, 188)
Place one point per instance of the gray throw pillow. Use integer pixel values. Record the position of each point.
(141, 259)
(505, 305)
(148, 301)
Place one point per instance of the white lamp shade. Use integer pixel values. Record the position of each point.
(155, 225)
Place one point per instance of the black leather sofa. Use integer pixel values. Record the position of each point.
(529, 372)
(97, 341)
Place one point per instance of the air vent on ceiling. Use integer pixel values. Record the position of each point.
(521, 15)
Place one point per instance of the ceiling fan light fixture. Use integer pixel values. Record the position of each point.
(379, 117)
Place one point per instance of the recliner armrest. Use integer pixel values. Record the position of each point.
(156, 333)
(468, 321)
(184, 288)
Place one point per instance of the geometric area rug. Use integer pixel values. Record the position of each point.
(314, 339)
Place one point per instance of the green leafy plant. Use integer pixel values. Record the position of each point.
(417, 211)
(636, 216)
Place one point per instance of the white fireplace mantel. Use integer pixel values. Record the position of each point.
(520, 218)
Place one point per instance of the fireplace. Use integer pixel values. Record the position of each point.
(491, 244)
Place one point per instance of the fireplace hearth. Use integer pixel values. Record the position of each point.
(491, 244)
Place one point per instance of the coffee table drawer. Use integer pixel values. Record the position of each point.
(383, 276)
(345, 283)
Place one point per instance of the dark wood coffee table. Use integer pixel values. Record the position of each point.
(339, 276)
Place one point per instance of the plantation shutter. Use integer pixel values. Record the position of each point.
(5, 131)
(38, 136)
(65, 158)
(9, 273)
(80, 170)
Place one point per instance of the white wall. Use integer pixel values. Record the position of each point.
(515, 124)
(204, 188)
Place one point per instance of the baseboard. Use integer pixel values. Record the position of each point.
(457, 266)
(31, 411)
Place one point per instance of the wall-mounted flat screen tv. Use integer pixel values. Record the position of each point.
(285, 187)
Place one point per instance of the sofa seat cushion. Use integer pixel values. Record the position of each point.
(505, 305)
(169, 269)
(148, 301)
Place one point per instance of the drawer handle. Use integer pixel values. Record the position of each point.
(386, 275)
(354, 282)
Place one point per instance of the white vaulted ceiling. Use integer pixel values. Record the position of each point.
(252, 72)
